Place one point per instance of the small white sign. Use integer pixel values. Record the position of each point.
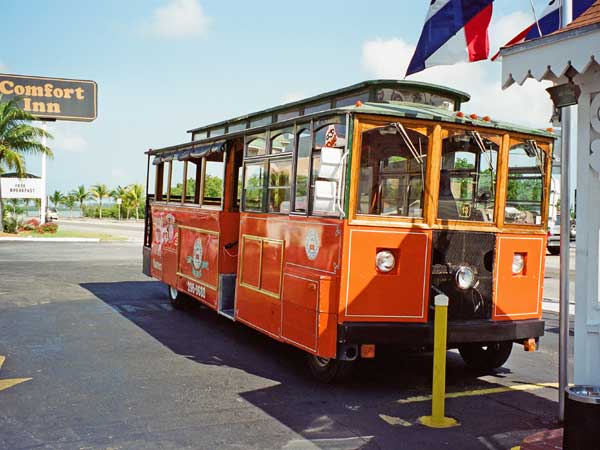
(21, 187)
(324, 196)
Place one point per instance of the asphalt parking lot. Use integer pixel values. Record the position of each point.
(95, 358)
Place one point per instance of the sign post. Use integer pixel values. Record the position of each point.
(44, 197)
(119, 202)
(50, 99)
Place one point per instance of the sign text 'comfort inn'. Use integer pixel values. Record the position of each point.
(52, 98)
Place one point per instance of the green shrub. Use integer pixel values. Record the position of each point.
(9, 224)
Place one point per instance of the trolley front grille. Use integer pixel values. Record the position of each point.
(452, 249)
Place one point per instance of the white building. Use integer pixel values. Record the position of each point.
(572, 54)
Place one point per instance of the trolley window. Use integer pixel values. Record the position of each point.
(282, 142)
(162, 176)
(302, 170)
(525, 188)
(176, 181)
(254, 186)
(213, 180)
(393, 171)
(256, 147)
(193, 175)
(468, 176)
(330, 141)
(280, 174)
(166, 174)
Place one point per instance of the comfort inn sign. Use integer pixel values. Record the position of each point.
(52, 98)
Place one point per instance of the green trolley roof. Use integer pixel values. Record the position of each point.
(372, 96)
(369, 88)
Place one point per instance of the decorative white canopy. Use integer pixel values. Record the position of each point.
(550, 57)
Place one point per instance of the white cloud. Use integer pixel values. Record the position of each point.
(178, 19)
(526, 105)
(504, 28)
(66, 140)
(120, 176)
(292, 97)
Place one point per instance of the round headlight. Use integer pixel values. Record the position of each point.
(518, 263)
(465, 277)
(385, 261)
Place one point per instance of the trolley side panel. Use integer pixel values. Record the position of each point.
(519, 296)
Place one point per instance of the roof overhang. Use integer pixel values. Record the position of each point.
(551, 57)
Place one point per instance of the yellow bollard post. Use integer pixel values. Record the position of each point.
(438, 395)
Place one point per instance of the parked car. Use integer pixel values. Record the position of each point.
(51, 214)
(554, 236)
(553, 243)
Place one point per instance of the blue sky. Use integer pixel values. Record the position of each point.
(165, 66)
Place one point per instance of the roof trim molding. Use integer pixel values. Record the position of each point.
(554, 55)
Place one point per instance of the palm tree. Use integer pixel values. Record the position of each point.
(69, 201)
(81, 195)
(100, 191)
(14, 202)
(119, 193)
(18, 138)
(135, 195)
(57, 198)
(27, 201)
(12, 161)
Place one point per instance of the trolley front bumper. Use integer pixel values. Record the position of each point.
(414, 335)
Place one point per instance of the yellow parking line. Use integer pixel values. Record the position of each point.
(395, 420)
(475, 392)
(8, 383)
(5, 384)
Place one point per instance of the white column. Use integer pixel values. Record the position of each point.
(43, 204)
(587, 288)
(565, 219)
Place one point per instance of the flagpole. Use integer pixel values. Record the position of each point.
(537, 23)
(565, 225)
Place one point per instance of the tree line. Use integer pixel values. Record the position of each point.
(131, 200)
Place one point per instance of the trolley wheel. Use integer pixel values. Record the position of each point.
(485, 356)
(554, 250)
(329, 370)
(176, 298)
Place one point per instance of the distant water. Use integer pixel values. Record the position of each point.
(33, 212)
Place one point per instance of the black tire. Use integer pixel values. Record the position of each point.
(485, 356)
(554, 250)
(329, 370)
(177, 299)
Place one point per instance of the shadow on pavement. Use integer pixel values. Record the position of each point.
(365, 413)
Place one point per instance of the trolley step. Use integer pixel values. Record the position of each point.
(229, 313)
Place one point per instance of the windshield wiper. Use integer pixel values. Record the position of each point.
(481, 145)
(532, 150)
(408, 142)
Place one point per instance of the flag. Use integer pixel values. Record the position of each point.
(454, 31)
(549, 22)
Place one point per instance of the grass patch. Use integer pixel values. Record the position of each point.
(73, 234)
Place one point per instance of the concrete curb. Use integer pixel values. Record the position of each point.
(32, 239)
(550, 306)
